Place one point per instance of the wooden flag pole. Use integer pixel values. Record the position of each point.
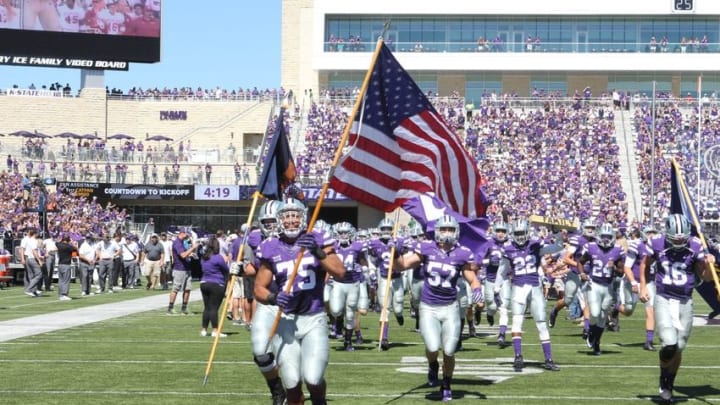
(229, 289)
(326, 183)
(386, 300)
(696, 222)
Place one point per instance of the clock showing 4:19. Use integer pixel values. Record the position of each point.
(217, 193)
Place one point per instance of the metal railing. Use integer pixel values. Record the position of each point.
(494, 45)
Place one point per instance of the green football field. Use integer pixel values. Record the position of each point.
(153, 358)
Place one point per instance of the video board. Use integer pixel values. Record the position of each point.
(78, 33)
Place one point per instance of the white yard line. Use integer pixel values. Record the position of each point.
(38, 324)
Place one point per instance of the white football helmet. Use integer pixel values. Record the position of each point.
(292, 218)
(447, 230)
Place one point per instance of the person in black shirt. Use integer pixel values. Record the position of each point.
(65, 252)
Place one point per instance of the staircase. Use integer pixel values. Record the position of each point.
(628, 164)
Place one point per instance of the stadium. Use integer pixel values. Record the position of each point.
(569, 111)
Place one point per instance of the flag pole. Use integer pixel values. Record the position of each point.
(326, 183)
(388, 281)
(699, 135)
(696, 222)
(229, 288)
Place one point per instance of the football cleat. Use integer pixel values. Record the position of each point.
(384, 344)
(471, 330)
(400, 319)
(478, 317)
(359, 339)
(501, 341)
(446, 395)
(518, 364)
(550, 365)
(491, 320)
(649, 346)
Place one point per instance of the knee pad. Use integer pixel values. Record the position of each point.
(266, 362)
(668, 352)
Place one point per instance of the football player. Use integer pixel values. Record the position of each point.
(379, 250)
(637, 250)
(264, 314)
(301, 342)
(489, 268)
(521, 260)
(443, 262)
(682, 262)
(345, 294)
(573, 284)
(604, 259)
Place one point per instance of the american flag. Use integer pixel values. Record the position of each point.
(400, 147)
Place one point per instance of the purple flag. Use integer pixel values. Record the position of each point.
(426, 209)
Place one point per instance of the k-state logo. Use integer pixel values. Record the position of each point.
(712, 160)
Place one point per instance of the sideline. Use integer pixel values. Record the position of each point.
(37, 324)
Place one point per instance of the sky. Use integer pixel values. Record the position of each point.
(226, 43)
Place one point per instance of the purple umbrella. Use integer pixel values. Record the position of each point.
(120, 136)
(159, 138)
(91, 137)
(67, 135)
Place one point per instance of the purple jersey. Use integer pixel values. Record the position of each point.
(577, 243)
(637, 250)
(493, 253)
(601, 262)
(351, 256)
(675, 277)
(254, 238)
(380, 252)
(307, 288)
(524, 262)
(442, 270)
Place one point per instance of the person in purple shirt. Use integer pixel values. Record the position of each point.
(301, 343)
(443, 261)
(212, 285)
(573, 284)
(379, 251)
(521, 261)
(181, 270)
(637, 250)
(682, 261)
(345, 294)
(602, 260)
(489, 259)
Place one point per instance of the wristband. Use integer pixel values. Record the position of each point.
(272, 299)
(320, 254)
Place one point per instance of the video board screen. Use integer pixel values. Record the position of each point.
(107, 30)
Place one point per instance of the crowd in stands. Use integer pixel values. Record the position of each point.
(557, 159)
(676, 136)
(174, 93)
(557, 153)
(67, 214)
(689, 44)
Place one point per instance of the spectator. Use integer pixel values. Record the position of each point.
(212, 285)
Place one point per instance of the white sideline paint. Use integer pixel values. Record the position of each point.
(35, 325)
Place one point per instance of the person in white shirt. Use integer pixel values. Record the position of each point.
(87, 255)
(166, 272)
(70, 15)
(33, 262)
(131, 260)
(50, 251)
(107, 250)
(114, 20)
